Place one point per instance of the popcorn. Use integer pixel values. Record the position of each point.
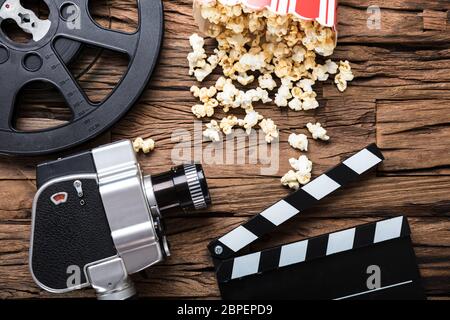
(137, 144)
(297, 92)
(201, 73)
(332, 67)
(277, 25)
(266, 82)
(320, 72)
(303, 178)
(261, 45)
(238, 40)
(306, 84)
(199, 65)
(302, 164)
(242, 100)
(197, 57)
(245, 79)
(253, 62)
(310, 103)
(195, 91)
(236, 25)
(261, 41)
(211, 13)
(226, 97)
(345, 74)
(301, 175)
(283, 95)
(298, 54)
(251, 119)
(295, 104)
(213, 61)
(290, 180)
(220, 83)
(227, 124)
(298, 141)
(318, 38)
(212, 131)
(287, 82)
(245, 99)
(310, 60)
(270, 129)
(206, 109)
(317, 131)
(204, 94)
(146, 145)
(262, 95)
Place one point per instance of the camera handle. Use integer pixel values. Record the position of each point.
(110, 280)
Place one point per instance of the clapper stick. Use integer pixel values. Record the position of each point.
(350, 170)
(308, 250)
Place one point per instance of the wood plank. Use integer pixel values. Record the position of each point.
(350, 129)
(426, 232)
(399, 70)
(24, 168)
(349, 107)
(391, 73)
(402, 22)
(435, 20)
(372, 65)
(414, 196)
(189, 270)
(414, 135)
(179, 24)
(407, 5)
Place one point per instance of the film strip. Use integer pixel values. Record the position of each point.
(349, 170)
(314, 248)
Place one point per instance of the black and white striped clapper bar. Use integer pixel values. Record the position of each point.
(299, 201)
(287, 271)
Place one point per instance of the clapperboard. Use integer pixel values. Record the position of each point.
(372, 261)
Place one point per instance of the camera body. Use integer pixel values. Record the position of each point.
(96, 219)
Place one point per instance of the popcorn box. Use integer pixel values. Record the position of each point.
(322, 11)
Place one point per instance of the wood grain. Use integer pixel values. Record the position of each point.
(399, 99)
(189, 269)
(415, 135)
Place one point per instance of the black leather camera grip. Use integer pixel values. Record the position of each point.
(69, 235)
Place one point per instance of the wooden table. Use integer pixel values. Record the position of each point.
(400, 100)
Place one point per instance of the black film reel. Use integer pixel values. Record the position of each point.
(44, 58)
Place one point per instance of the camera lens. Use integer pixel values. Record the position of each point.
(183, 186)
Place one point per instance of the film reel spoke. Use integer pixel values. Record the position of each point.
(84, 29)
(107, 39)
(11, 84)
(55, 71)
(8, 99)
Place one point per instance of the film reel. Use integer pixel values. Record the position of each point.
(55, 42)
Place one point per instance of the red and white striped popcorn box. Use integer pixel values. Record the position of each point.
(322, 11)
